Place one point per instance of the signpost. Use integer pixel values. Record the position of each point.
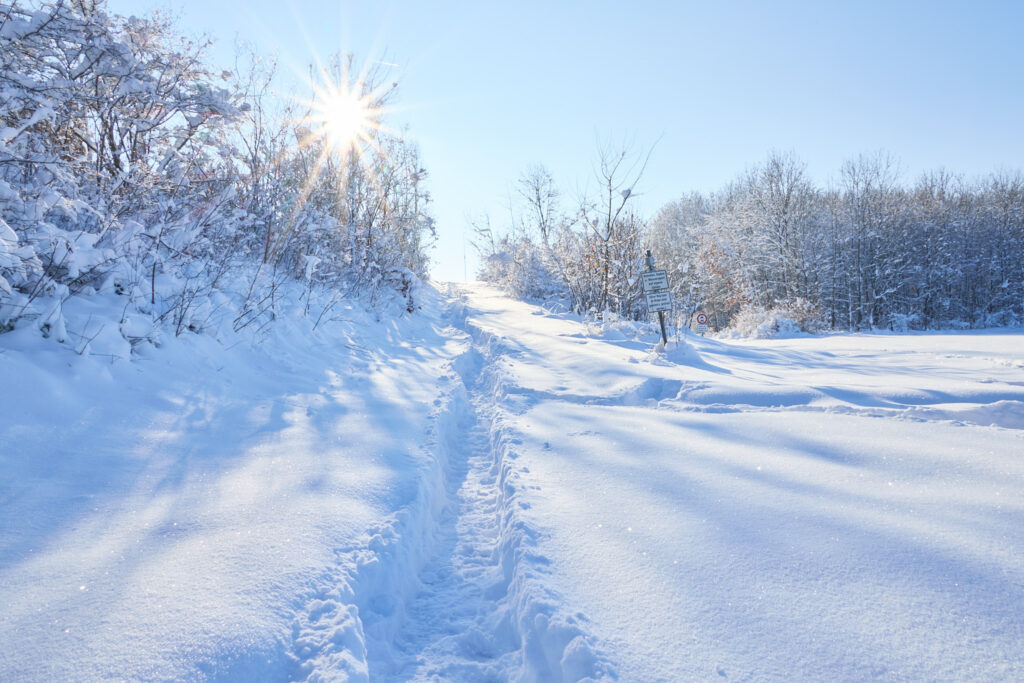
(655, 279)
(702, 323)
(656, 291)
(659, 301)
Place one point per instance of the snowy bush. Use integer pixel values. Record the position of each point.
(130, 169)
(521, 268)
(797, 318)
(904, 322)
(591, 257)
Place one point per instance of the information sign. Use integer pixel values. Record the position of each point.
(655, 280)
(660, 300)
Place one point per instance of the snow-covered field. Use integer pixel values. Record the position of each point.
(487, 491)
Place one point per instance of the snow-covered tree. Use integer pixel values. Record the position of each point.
(128, 165)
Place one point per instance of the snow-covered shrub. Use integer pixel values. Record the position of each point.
(118, 131)
(1002, 318)
(521, 268)
(591, 257)
(797, 318)
(904, 322)
(407, 284)
(129, 168)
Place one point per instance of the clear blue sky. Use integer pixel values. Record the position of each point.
(490, 88)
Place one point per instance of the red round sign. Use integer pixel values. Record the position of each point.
(702, 319)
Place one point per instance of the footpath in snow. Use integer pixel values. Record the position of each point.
(488, 491)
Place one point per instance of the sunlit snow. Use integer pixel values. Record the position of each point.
(487, 491)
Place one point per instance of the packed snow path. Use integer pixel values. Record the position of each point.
(454, 628)
(489, 491)
(481, 613)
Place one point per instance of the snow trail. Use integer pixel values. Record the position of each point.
(457, 627)
(484, 611)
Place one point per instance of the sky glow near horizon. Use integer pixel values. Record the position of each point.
(489, 89)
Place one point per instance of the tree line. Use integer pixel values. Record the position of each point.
(867, 251)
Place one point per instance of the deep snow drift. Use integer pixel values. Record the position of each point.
(485, 490)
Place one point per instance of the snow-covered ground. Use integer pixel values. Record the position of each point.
(208, 512)
(488, 491)
(846, 507)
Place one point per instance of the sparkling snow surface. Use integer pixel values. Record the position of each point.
(488, 491)
(846, 507)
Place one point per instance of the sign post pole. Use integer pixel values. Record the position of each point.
(661, 313)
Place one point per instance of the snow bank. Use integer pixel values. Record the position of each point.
(216, 509)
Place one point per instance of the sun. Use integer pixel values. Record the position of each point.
(342, 124)
(344, 114)
(345, 118)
